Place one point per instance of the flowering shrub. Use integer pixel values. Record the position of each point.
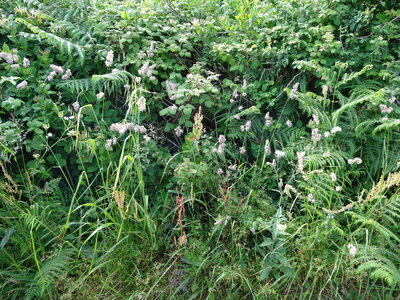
(219, 149)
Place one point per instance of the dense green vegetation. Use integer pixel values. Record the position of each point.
(199, 149)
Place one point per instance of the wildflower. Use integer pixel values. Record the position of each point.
(327, 134)
(76, 106)
(221, 148)
(338, 188)
(235, 94)
(242, 150)
(315, 135)
(15, 66)
(268, 120)
(100, 95)
(237, 117)
(109, 58)
(146, 69)
(146, 138)
(392, 99)
(66, 118)
(71, 117)
(333, 177)
(384, 119)
(110, 143)
(138, 79)
(151, 49)
(8, 57)
(50, 77)
(118, 127)
(300, 158)
(279, 153)
(26, 63)
(232, 167)
(240, 107)
(221, 139)
(171, 87)
(57, 69)
(178, 131)
(49, 134)
(281, 227)
(220, 171)
(352, 249)
(115, 71)
(310, 198)
(141, 103)
(289, 123)
(385, 109)
(67, 75)
(231, 101)
(244, 85)
(246, 127)
(355, 160)
(336, 129)
(22, 85)
(293, 91)
(315, 119)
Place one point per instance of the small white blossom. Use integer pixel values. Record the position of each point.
(327, 134)
(392, 99)
(109, 58)
(26, 63)
(76, 106)
(178, 131)
(67, 75)
(100, 95)
(385, 109)
(221, 139)
(352, 249)
(51, 76)
(57, 69)
(315, 135)
(22, 85)
(220, 171)
(279, 153)
(293, 91)
(333, 177)
(141, 103)
(336, 129)
(338, 188)
(242, 150)
(289, 123)
(355, 160)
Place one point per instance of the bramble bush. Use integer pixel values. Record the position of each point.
(203, 149)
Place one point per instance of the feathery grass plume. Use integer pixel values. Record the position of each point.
(119, 197)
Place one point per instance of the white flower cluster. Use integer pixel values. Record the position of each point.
(242, 150)
(289, 123)
(9, 57)
(315, 135)
(110, 143)
(352, 249)
(100, 95)
(141, 103)
(22, 85)
(151, 49)
(385, 109)
(76, 106)
(221, 146)
(246, 127)
(26, 63)
(123, 128)
(147, 70)
(336, 129)
(178, 131)
(109, 58)
(58, 70)
(268, 119)
(294, 91)
(279, 153)
(355, 160)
